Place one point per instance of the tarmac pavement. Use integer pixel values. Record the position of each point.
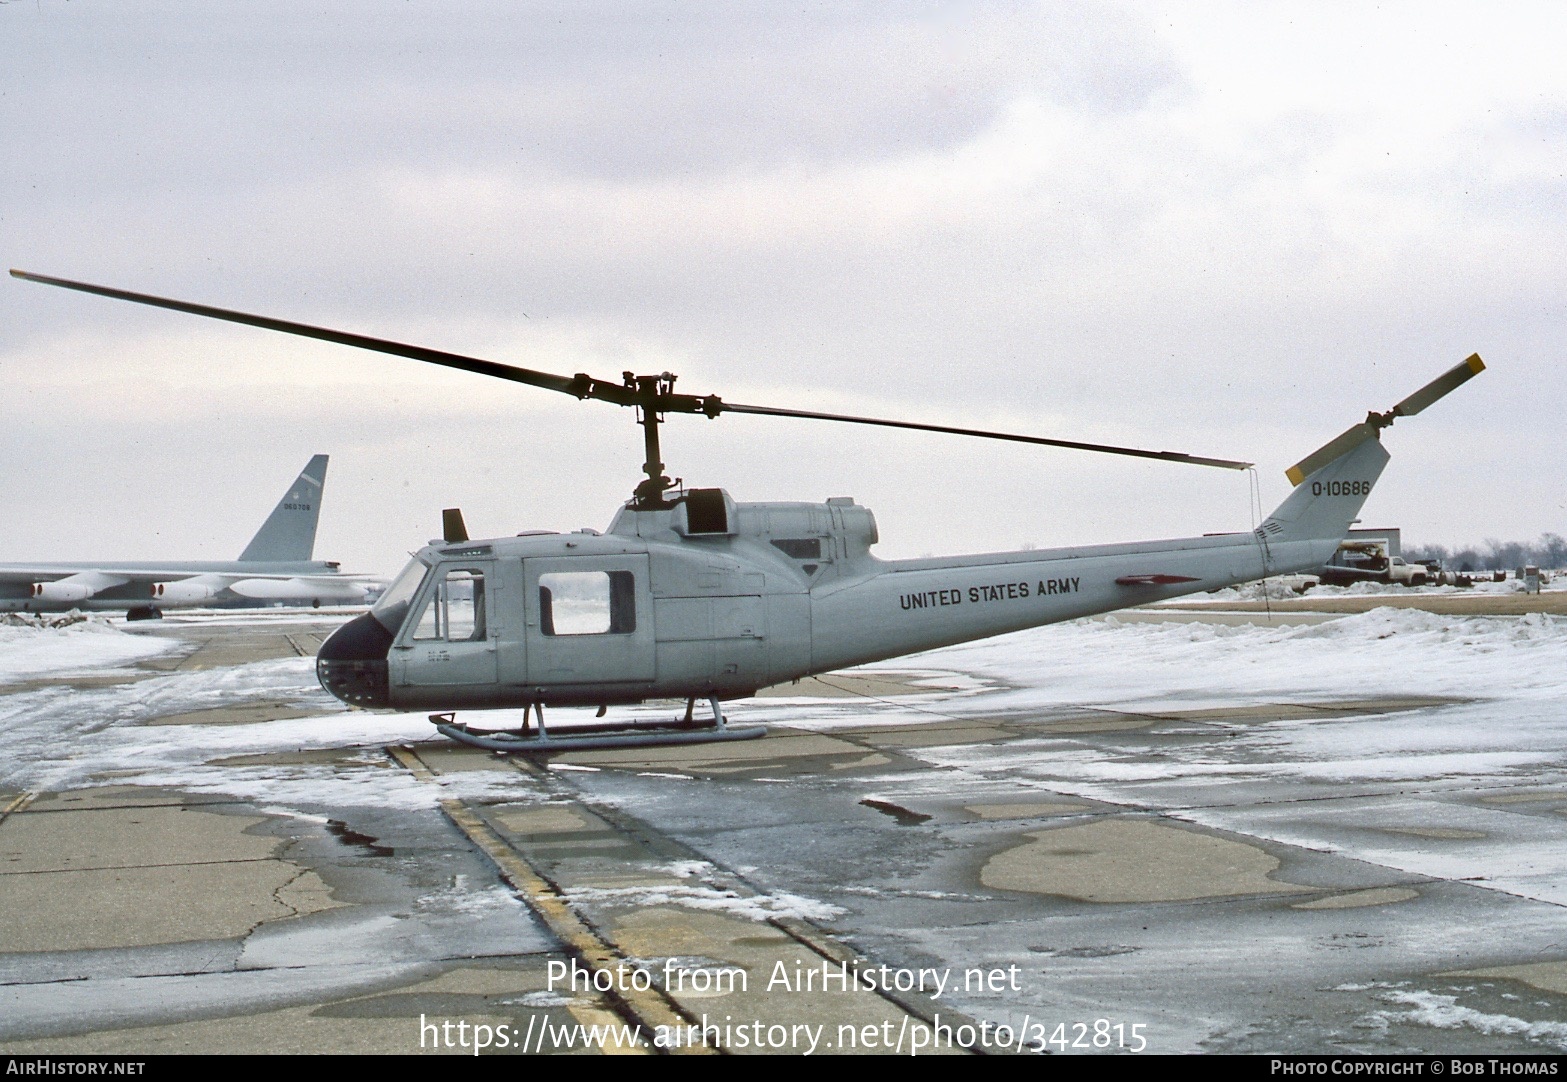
(912, 887)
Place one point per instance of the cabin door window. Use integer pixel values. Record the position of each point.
(590, 620)
(449, 643)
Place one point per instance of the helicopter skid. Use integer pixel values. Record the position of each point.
(536, 739)
(643, 737)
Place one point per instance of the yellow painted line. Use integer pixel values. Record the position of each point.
(650, 1008)
(591, 1014)
(18, 804)
(412, 763)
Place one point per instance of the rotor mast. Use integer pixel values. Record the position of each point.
(651, 392)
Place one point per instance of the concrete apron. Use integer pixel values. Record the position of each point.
(692, 952)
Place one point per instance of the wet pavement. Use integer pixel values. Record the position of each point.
(1083, 878)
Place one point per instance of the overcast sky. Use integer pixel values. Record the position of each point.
(1228, 229)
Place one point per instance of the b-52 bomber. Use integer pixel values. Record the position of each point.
(277, 567)
(692, 595)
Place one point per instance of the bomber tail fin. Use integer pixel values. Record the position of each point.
(289, 533)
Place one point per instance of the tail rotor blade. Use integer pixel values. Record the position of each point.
(1346, 442)
(1341, 444)
(1442, 385)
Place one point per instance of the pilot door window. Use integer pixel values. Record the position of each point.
(588, 603)
(455, 610)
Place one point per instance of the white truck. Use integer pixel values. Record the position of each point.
(1368, 561)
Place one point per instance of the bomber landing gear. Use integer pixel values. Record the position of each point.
(533, 738)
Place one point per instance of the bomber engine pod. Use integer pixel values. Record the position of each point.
(183, 592)
(62, 591)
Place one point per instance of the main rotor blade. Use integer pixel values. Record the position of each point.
(1164, 456)
(584, 386)
(1444, 384)
(380, 345)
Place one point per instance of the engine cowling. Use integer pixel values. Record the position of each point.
(62, 591)
(182, 592)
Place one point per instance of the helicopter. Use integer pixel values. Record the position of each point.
(692, 595)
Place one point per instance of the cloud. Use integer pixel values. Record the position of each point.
(1227, 229)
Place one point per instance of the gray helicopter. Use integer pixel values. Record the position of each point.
(692, 595)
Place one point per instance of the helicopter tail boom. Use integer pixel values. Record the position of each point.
(924, 604)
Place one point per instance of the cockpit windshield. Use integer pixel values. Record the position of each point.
(392, 609)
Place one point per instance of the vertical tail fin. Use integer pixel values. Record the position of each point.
(289, 533)
(1328, 500)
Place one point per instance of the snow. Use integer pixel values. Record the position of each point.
(758, 907)
(1443, 1012)
(57, 738)
(1285, 587)
(1186, 665)
(29, 651)
(1512, 669)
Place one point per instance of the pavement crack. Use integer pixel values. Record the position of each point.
(216, 802)
(277, 896)
(136, 867)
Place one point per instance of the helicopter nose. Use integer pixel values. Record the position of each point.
(351, 664)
